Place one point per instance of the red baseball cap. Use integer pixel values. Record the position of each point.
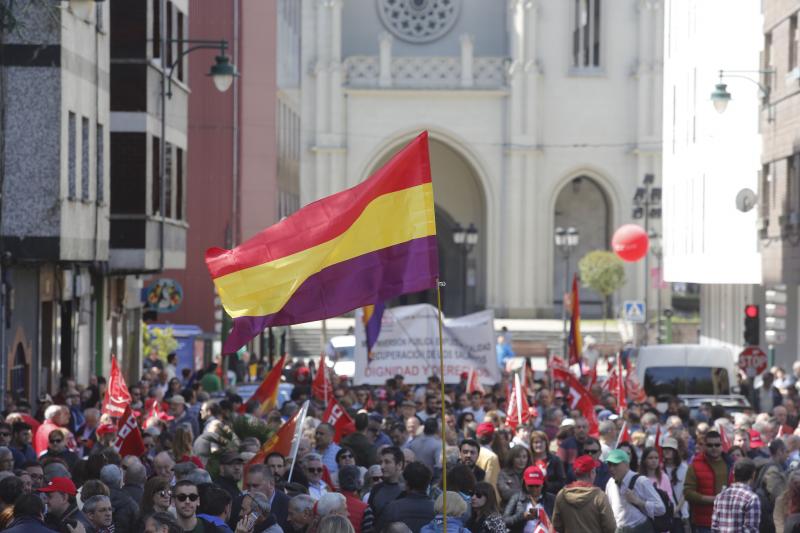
(584, 464)
(533, 475)
(755, 439)
(485, 428)
(60, 484)
(103, 429)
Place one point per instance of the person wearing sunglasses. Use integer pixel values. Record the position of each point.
(187, 500)
(156, 497)
(57, 448)
(21, 444)
(312, 465)
(706, 477)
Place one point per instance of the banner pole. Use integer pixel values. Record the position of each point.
(298, 432)
(441, 376)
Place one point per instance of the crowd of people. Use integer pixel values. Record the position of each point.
(204, 468)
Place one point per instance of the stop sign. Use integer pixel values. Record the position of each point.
(753, 361)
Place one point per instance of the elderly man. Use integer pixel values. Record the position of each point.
(163, 465)
(301, 513)
(178, 408)
(99, 511)
(125, 509)
(325, 447)
(134, 477)
(55, 417)
(312, 465)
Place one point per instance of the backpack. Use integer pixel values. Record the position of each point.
(662, 522)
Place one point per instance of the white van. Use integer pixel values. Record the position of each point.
(691, 371)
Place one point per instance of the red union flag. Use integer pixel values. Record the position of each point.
(117, 395)
(337, 417)
(321, 387)
(129, 438)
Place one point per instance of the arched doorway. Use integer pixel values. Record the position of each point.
(460, 200)
(584, 205)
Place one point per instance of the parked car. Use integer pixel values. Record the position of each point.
(340, 355)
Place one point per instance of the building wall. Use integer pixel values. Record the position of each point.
(525, 131)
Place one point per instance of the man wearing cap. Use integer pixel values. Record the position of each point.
(487, 459)
(581, 506)
(231, 469)
(523, 512)
(633, 498)
(62, 508)
(705, 478)
(178, 409)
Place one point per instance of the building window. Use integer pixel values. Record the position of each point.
(793, 42)
(180, 45)
(767, 79)
(168, 180)
(766, 189)
(100, 194)
(586, 34)
(156, 180)
(72, 157)
(791, 201)
(179, 185)
(169, 42)
(84, 159)
(156, 28)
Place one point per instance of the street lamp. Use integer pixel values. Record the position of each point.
(565, 240)
(222, 72)
(647, 205)
(720, 96)
(466, 240)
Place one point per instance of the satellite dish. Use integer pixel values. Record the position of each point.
(746, 200)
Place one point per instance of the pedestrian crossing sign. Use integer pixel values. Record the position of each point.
(633, 311)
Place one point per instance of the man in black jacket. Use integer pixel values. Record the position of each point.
(413, 507)
(392, 464)
(61, 506)
(231, 469)
(125, 510)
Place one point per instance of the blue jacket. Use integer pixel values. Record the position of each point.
(28, 524)
(454, 525)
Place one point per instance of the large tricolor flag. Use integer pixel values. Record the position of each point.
(267, 393)
(358, 247)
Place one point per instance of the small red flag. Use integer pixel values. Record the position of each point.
(156, 413)
(624, 435)
(726, 444)
(267, 393)
(581, 399)
(473, 383)
(117, 395)
(518, 408)
(544, 525)
(321, 387)
(285, 440)
(337, 417)
(129, 438)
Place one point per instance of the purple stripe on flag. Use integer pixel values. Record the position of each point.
(374, 277)
(373, 327)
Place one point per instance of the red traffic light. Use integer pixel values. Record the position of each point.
(751, 311)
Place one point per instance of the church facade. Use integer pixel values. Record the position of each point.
(541, 113)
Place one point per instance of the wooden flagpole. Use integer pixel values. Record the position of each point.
(441, 380)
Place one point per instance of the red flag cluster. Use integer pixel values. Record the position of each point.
(117, 403)
(129, 438)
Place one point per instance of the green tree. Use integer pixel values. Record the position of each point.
(162, 340)
(603, 272)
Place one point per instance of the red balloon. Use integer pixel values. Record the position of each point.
(630, 242)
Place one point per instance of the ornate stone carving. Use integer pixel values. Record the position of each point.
(426, 72)
(419, 21)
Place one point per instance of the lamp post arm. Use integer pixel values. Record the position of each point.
(197, 44)
(765, 90)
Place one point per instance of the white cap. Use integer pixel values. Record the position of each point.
(567, 422)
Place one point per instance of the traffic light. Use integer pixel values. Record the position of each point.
(775, 311)
(752, 325)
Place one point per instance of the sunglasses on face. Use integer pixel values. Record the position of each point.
(377, 478)
(345, 456)
(56, 441)
(714, 445)
(592, 451)
(5, 434)
(315, 470)
(164, 493)
(183, 497)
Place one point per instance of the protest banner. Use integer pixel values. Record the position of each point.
(408, 344)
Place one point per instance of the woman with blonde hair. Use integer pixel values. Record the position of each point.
(335, 523)
(547, 461)
(456, 509)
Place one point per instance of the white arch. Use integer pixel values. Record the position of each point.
(437, 133)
